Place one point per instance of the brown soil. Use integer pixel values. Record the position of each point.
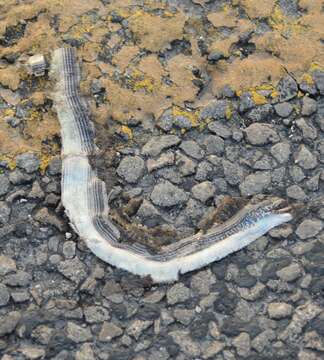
(137, 83)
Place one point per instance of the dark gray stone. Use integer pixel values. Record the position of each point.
(95, 314)
(203, 191)
(73, 269)
(184, 316)
(137, 327)
(4, 295)
(283, 109)
(54, 167)
(281, 152)
(278, 176)
(131, 168)
(132, 192)
(148, 214)
(296, 192)
(4, 184)
(255, 183)
(109, 331)
(166, 194)
(216, 110)
(192, 149)
(269, 270)
(9, 322)
(20, 296)
(308, 130)
(215, 56)
(168, 120)
(182, 122)
(289, 7)
(309, 228)
(77, 333)
(309, 106)
(20, 278)
(158, 143)
(246, 102)
(318, 325)
(265, 163)
(320, 114)
(17, 177)
(69, 249)
(178, 293)
(260, 113)
(296, 173)
(263, 340)
(318, 77)
(308, 87)
(165, 122)
(245, 280)
(36, 192)
(220, 129)
(313, 183)
(28, 162)
(237, 135)
(233, 172)
(290, 272)
(214, 145)
(165, 159)
(202, 281)
(186, 165)
(204, 171)
(242, 344)
(7, 265)
(227, 91)
(172, 174)
(261, 134)
(4, 212)
(305, 158)
(287, 88)
(194, 210)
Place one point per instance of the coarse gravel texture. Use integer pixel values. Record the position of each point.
(183, 122)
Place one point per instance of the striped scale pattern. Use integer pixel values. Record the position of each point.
(84, 197)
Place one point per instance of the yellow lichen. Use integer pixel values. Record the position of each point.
(316, 67)
(127, 131)
(264, 87)
(278, 21)
(34, 116)
(308, 79)
(168, 14)
(44, 161)
(10, 160)
(274, 94)
(192, 116)
(146, 84)
(139, 81)
(228, 112)
(9, 112)
(258, 98)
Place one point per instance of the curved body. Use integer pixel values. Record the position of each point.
(84, 197)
